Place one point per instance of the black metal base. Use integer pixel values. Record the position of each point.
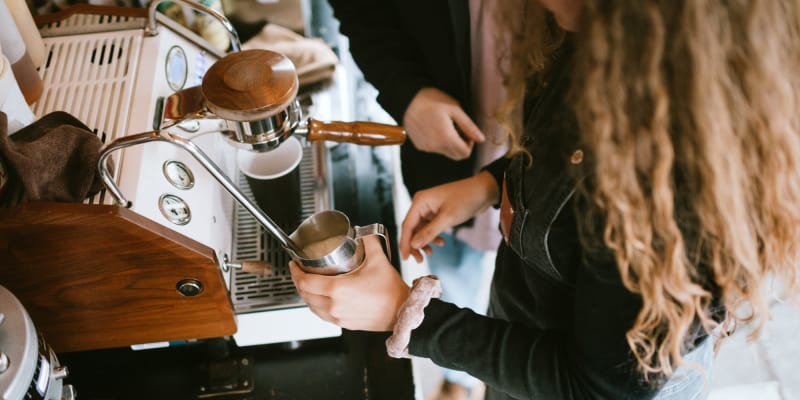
(354, 366)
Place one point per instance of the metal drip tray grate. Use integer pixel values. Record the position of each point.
(250, 292)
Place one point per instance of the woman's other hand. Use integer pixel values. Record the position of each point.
(366, 298)
(440, 207)
(436, 123)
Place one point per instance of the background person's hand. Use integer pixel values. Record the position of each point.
(440, 207)
(366, 298)
(433, 120)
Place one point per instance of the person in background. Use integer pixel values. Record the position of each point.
(433, 71)
(649, 203)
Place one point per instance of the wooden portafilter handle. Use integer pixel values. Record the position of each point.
(366, 133)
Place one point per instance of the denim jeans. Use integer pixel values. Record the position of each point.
(459, 268)
(691, 381)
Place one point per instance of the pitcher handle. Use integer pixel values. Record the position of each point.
(375, 229)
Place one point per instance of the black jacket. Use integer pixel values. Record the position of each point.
(402, 46)
(558, 315)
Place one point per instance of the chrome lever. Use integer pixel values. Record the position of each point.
(152, 30)
(205, 162)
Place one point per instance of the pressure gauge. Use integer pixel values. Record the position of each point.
(178, 174)
(177, 68)
(174, 209)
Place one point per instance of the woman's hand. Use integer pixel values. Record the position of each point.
(366, 298)
(441, 207)
(436, 123)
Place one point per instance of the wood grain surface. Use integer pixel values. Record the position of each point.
(250, 85)
(366, 133)
(93, 277)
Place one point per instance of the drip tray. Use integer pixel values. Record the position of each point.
(253, 293)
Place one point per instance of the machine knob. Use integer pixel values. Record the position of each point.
(59, 372)
(3, 362)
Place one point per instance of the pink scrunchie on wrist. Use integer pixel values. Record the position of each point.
(411, 314)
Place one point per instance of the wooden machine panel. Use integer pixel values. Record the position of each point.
(101, 276)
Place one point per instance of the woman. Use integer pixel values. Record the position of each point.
(648, 203)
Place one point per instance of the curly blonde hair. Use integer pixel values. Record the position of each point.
(529, 41)
(690, 113)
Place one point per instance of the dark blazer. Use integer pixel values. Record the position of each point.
(402, 46)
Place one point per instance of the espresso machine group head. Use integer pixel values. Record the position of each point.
(255, 90)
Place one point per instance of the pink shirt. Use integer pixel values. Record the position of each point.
(487, 93)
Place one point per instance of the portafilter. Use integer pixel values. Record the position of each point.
(256, 90)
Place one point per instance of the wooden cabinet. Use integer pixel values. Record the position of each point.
(100, 276)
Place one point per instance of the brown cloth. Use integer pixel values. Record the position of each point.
(52, 159)
(313, 60)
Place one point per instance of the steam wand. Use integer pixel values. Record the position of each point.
(205, 161)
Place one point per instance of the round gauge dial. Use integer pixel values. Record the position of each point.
(174, 209)
(177, 68)
(178, 174)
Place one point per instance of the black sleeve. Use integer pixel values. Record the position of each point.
(383, 50)
(497, 169)
(590, 361)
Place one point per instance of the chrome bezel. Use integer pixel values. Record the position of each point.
(171, 218)
(176, 51)
(173, 180)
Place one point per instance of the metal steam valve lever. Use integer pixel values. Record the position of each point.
(152, 30)
(205, 162)
(258, 267)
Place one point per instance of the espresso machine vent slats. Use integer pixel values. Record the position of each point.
(91, 77)
(250, 292)
(91, 23)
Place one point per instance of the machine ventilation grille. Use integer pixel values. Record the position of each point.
(91, 77)
(90, 23)
(250, 292)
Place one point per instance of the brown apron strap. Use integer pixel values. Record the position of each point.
(506, 212)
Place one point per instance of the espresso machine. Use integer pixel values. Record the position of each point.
(182, 210)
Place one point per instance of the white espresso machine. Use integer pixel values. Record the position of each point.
(113, 71)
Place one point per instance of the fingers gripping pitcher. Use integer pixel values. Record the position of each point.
(330, 245)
